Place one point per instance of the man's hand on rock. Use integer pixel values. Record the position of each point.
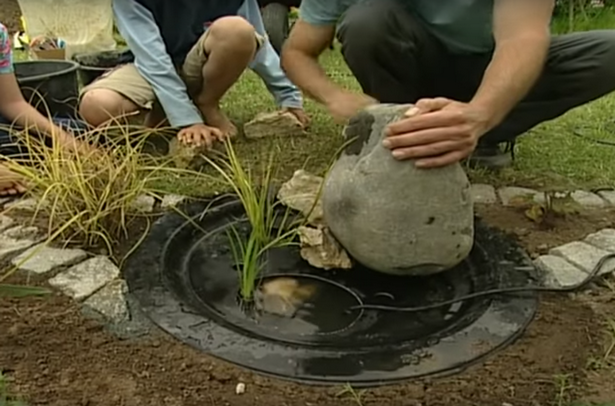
(199, 135)
(345, 105)
(300, 114)
(437, 132)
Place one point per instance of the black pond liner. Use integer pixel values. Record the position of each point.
(184, 278)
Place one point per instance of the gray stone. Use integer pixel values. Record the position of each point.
(5, 222)
(273, 124)
(603, 239)
(23, 233)
(559, 273)
(389, 215)
(86, 278)
(4, 200)
(11, 246)
(301, 193)
(110, 302)
(170, 201)
(143, 204)
(28, 204)
(608, 195)
(584, 256)
(42, 259)
(512, 195)
(588, 199)
(483, 194)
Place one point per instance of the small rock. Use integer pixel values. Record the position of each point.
(143, 204)
(240, 389)
(4, 200)
(321, 250)
(186, 156)
(273, 124)
(603, 239)
(10, 246)
(170, 201)
(42, 259)
(588, 199)
(300, 193)
(282, 296)
(559, 273)
(608, 195)
(511, 194)
(86, 278)
(28, 204)
(584, 256)
(5, 222)
(483, 194)
(110, 301)
(23, 233)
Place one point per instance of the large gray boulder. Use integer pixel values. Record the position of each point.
(389, 215)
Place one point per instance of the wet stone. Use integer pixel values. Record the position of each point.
(82, 280)
(483, 194)
(170, 201)
(42, 259)
(559, 273)
(584, 256)
(511, 194)
(603, 239)
(273, 124)
(110, 302)
(608, 195)
(588, 199)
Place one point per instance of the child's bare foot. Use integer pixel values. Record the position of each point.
(10, 183)
(215, 117)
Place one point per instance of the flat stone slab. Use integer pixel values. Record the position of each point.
(559, 273)
(5, 222)
(608, 195)
(83, 280)
(23, 233)
(170, 201)
(603, 239)
(584, 256)
(509, 194)
(588, 199)
(143, 204)
(483, 194)
(28, 204)
(41, 259)
(110, 302)
(10, 246)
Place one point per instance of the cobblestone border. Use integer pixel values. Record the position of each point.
(96, 283)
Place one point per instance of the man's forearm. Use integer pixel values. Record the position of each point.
(305, 71)
(514, 69)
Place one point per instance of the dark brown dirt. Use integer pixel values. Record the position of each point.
(54, 356)
(10, 14)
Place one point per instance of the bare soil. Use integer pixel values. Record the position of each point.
(10, 14)
(55, 356)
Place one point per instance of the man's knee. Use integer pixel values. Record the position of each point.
(233, 31)
(98, 106)
(366, 25)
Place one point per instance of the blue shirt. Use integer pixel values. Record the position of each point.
(137, 26)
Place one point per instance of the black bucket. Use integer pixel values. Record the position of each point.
(93, 65)
(49, 85)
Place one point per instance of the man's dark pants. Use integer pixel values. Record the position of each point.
(397, 60)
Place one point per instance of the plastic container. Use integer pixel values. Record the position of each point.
(50, 85)
(85, 25)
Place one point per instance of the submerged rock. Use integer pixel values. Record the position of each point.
(389, 215)
(282, 296)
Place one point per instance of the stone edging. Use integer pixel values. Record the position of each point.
(95, 281)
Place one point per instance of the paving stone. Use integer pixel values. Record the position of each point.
(588, 199)
(23, 233)
(559, 273)
(483, 194)
(5, 222)
(143, 204)
(4, 200)
(603, 239)
(10, 246)
(28, 204)
(41, 259)
(110, 302)
(509, 193)
(83, 280)
(170, 201)
(584, 256)
(608, 195)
